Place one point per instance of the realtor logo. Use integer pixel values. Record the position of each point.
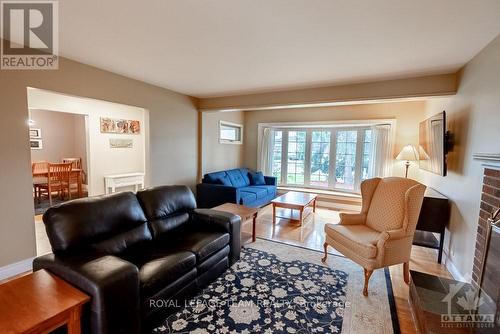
(29, 35)
(469, 301)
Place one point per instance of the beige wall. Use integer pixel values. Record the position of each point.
(60, 135)
(217, 156)
(173, 138)
(474, 118)
(406, 114)
(81, 141)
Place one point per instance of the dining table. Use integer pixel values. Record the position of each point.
(74, 172)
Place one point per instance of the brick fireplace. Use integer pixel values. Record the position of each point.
(490, 201)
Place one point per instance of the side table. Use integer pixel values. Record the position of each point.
(39, 303)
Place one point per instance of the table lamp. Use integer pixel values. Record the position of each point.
(408, 153)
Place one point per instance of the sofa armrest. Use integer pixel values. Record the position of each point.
(210, 195)
(112, 283)
(223, 221)
(271, 180)
(352, 218)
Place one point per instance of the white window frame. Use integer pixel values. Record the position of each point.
(334, 127)
(232, 125)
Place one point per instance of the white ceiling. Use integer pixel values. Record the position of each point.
(209, 48)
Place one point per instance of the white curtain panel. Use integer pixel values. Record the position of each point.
(266, 151)
(381, 164)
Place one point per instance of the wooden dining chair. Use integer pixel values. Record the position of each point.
(39, 172)
(76, 163)
(75, 178)
(58, 180)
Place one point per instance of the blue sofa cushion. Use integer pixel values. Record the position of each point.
(218, 178)
(224, 180)
(244, 173)
(259, 192)
(271, 190)
(257, 178)
(247, 198)
(237, 178)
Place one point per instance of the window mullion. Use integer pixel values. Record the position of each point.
(284, 156)
(333, 158)
(307, 161)
(359, 159)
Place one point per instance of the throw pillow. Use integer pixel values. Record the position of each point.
(224, 180)
(257, 178)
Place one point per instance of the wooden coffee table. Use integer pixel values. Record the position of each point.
(245, 212)
(39, 303)
(294, 200)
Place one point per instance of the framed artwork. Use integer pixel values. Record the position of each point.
(36, 133)
(36, 144)
(121, 143)
(123, 126)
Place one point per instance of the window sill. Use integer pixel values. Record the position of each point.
(322, 192)
(334, 200)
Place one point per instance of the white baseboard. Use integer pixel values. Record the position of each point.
(338, 206)
(457, 275)
(16, 268)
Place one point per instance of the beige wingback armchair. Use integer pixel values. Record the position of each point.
(382, 233)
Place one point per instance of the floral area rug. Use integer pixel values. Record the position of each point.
(278, 288)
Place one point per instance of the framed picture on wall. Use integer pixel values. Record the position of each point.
(36, 144)
(36, 133)
(121, 126)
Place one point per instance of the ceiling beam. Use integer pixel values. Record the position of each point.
(426, 86)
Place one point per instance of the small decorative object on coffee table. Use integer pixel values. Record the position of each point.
(294, 200)
(244, 212)
(39, 303)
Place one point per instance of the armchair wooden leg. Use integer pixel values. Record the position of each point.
(325, 246)
(406, 272)
(368, 274)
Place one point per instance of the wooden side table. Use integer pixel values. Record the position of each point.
(245, 212)
(39, 303)
(434, 217)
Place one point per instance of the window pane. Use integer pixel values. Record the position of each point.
(278, 142)
(296, 157)
(230, 133)
(345, 159)
(320, 158)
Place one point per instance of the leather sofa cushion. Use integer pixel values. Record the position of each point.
(166, 207)
(193, 239)
(215, 258)
(259, 192)
(203, 244)
(359, 238)
(157, 273)
(86, 222)
(237, 178)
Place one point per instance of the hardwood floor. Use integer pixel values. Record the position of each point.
(311, 235)
(42, 242)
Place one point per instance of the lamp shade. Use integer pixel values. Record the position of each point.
(408, 153)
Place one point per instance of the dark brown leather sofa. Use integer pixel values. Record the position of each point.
(127, 251)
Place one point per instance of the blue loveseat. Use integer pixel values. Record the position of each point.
(234, 186)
